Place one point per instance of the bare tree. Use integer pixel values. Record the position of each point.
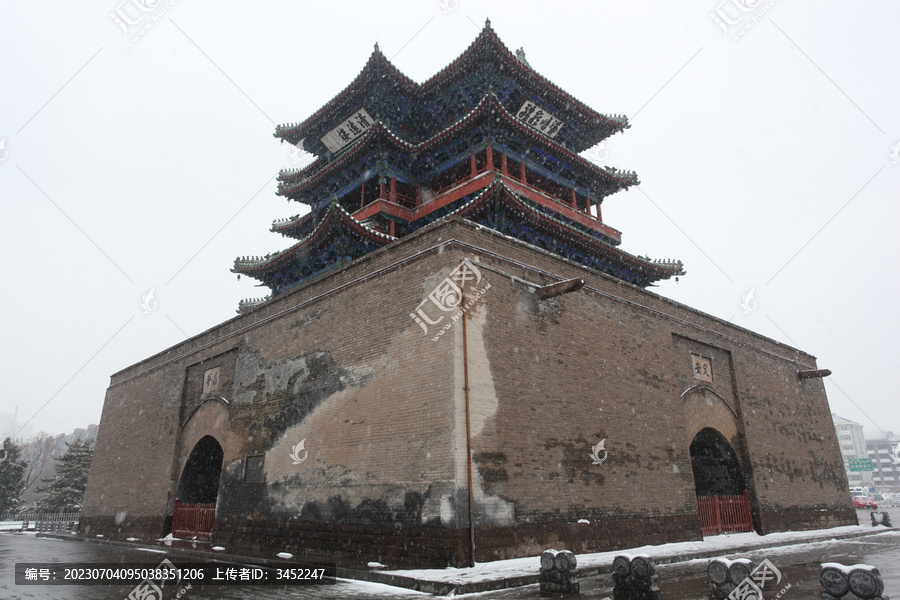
(38, 454)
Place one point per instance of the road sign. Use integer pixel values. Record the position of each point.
(861, 464)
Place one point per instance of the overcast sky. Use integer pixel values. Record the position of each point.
(137, 155)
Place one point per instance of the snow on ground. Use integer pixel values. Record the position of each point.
(517, 567)
(379, 589)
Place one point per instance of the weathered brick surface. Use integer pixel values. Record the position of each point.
(381, 408)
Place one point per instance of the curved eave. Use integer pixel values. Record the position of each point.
(380, 132)
(318, 238)
(594, 126)
(375, 133)
(654, 270)
(580, 112)
(473, 116)
(288, 226)
(384, 134)
(563, 152)
(346, 100)
(289, 174)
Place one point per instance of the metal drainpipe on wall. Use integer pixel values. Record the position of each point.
(468, 431)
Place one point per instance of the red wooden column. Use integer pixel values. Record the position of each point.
(381, 191)
(393, 197)
(490, 158)
(473, 164)
(503, 164)
(393, 230)
(574, 199)
(522, 172)
(599, 214)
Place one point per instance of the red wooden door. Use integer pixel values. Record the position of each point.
(193, 520)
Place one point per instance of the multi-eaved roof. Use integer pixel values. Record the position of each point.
(486, 139)
(419, 110)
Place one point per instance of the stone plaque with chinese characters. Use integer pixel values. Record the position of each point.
(702, 368)
(537, 118)
(345, 133)
(211, 380)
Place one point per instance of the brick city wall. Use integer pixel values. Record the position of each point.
(380, 407)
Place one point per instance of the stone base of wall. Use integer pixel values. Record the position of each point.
(350, 545)
(119, 529)
(530, 539)
(437, 547)
(801, 519)
(398, 546)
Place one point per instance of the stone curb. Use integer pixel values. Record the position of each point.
(444, 588)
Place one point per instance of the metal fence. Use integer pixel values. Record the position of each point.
(41, 522)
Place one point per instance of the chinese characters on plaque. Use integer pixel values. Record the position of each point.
(537, 118)
(211, 380)
(342, 135)
(702, 367)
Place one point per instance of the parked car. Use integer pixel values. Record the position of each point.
(862, 502)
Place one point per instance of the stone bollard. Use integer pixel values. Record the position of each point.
(725, 575)
(634, 578)
(881, 518)
(858, 581)
(558, 573)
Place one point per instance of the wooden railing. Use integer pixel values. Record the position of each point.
(725, 514)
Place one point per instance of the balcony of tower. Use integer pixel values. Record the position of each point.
(480, 172)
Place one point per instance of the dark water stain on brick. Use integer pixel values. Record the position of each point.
(237, 498)
(577, 461)
(306, 389)
(492, 470)
(371, 511)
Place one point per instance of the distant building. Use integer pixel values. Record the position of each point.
(883, 447)
(853, 445)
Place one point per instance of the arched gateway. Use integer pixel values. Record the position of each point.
(198, 489)
(722, 496)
